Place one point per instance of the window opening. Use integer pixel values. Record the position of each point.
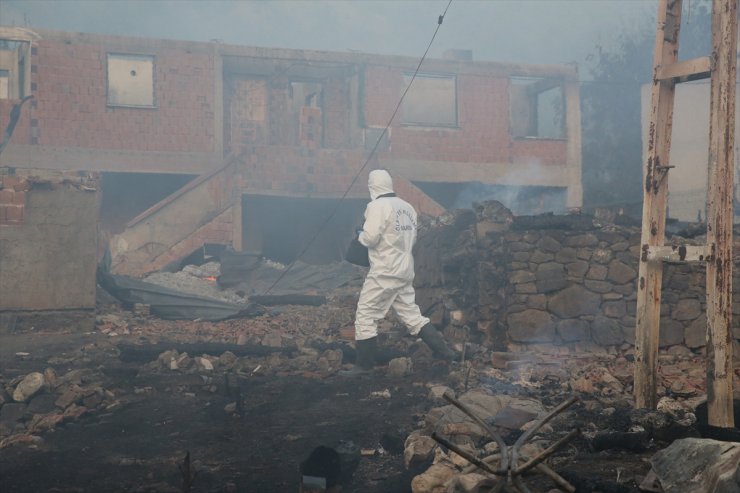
(13, 67)
(431, 101)
(537, 108)
(131, 80)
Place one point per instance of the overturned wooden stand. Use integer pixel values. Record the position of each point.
(510, 471)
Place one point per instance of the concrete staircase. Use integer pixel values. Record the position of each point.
(203, 211)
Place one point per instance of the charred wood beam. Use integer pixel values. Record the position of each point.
(495, 436)
(509, 457)
(634, 441)
(556, 478)
(531, 431)
(150, 352)
(539, 458)
(467, 456)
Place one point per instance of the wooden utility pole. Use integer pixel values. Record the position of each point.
(650, 275)
(720, 213)
(717, 253)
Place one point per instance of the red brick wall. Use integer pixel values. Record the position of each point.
(302, 171)
(70, 110)
(337, 124)
(246, 113)
(69, 82)
(12, 199)
(483, 119)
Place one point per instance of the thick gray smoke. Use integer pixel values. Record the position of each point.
(521, 200)
(525, 31)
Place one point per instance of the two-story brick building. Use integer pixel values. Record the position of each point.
(253, 147)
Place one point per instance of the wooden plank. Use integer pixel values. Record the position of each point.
(694, 69)
(720, 214)
(650, 274)
(677, 253)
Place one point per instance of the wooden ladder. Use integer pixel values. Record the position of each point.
(717, 253)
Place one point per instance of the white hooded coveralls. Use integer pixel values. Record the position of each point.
(389, 233)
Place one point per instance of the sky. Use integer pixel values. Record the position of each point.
(526, 31)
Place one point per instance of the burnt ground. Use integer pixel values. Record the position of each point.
(139, 445)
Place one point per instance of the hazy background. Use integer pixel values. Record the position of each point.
(532, 31)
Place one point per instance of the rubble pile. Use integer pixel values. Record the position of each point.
(512, 409)
(198, 280)
(38, 402)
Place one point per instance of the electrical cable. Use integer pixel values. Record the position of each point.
(440, 19)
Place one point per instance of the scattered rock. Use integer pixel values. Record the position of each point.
(29, 386)
(400, 367)
(433, 480)
(418, 450)
(471, 483)
(12, 411)
(484, 405)
(42, 404)
(513, 418)
(25, 439)
(437, 391)
(696, 465)
(51, 378)
(70, 396)
(44, 422)
(204, 364)
(381, 394)
(184, 361)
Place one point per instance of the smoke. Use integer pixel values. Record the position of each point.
(556, 31)
(520, 199)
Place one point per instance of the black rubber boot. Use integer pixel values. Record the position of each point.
(366, 359)
(367, 353)
(431, 336)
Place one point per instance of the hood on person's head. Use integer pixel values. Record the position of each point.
(379, 183)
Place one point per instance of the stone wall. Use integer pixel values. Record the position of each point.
(561, 280)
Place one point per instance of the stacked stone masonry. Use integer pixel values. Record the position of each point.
(558, 286)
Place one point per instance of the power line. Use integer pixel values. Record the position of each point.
(440, 19)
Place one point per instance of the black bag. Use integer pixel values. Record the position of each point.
(357, 253)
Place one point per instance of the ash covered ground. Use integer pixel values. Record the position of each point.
(108, 418)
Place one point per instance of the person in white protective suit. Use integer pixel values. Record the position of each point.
(389, 233)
